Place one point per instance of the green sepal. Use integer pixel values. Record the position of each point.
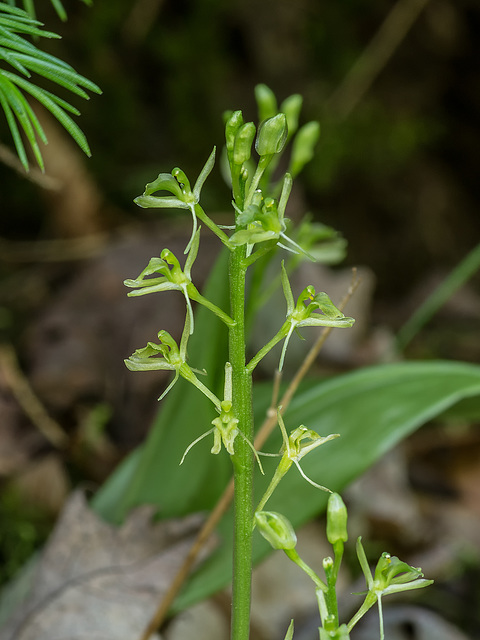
(289, 634)
(152, 202)
(164, 182)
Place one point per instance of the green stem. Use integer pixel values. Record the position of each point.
(188, 374)
(197, 297)
(331, 594)
(370, 600)
(243, 461)
(293, 555)
(263, 163)
(280, 471)
(202, 216)
(268, 347)
(259, 253)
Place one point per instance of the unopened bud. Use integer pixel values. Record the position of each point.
(291, 107)
(232, 126)
(272, 135)
(336, 519)
(242, 148)
(303, 146)
(277, 529)
(266, 102)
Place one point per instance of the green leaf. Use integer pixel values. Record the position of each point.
(25, 117)
(24, 57)
(60, 9)
(17, 139)
(46, 98)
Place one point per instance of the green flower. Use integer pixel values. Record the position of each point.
(295, 446)
(182, 195)
(304, 312)
(168, 356)
(303, 147)
(391, 576)
(172, 278)
(225, 429)
(320, 241)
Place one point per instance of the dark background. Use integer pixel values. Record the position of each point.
(395, 169)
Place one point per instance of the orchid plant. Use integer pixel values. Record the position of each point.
(259, 229)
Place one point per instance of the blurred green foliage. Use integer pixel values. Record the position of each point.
(23, 529)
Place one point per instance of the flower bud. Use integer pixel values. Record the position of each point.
(242, 148)
(266, 102)
(303, 146)
(291, 107)
(272, 135)
(336, 519)
(276, 529)
(232, 126)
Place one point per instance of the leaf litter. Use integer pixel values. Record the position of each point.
(97, 581)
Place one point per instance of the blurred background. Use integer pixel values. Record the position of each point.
(396, 88)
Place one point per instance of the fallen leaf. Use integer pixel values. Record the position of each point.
(100, 582)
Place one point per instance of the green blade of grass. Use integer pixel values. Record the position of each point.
(425, 312)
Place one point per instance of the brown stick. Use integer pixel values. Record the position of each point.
(27, 399)
(226, 498)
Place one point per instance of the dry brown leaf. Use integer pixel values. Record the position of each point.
(99, 582)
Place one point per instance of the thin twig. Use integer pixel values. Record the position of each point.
(29, 402)
(226, 497)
